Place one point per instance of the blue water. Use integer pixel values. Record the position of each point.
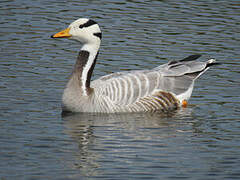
(198, 142)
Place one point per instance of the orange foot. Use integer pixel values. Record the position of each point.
(184, 103)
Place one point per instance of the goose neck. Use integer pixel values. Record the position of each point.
(84, 66)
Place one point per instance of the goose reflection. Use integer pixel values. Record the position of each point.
(101, 137)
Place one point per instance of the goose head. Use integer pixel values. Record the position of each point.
(84, 30)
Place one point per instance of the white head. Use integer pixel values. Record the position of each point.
(84, 30)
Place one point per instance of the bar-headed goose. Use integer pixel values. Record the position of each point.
(164, 88)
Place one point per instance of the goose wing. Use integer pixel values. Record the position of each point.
(127, 87)
(175, 77)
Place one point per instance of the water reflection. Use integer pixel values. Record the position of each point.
(203, 141)
(98, 135)
(127, 120)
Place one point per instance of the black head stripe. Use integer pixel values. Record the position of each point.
(87, 24)
(98, 35)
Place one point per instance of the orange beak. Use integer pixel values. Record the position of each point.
(62, 34)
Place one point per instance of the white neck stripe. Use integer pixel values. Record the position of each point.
(93, 50)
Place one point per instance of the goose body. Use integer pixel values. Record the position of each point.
(164, 88)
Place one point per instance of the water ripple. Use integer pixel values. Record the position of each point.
(201, 140)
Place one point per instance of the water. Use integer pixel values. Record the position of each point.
(199, 142)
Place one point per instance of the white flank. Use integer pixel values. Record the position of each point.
(186, 95)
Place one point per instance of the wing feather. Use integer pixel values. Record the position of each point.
(176, 77)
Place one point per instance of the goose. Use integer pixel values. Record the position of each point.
(162, 89)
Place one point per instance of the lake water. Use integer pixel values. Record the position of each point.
(199, 142)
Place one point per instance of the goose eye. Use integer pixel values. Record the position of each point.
(81, 26)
